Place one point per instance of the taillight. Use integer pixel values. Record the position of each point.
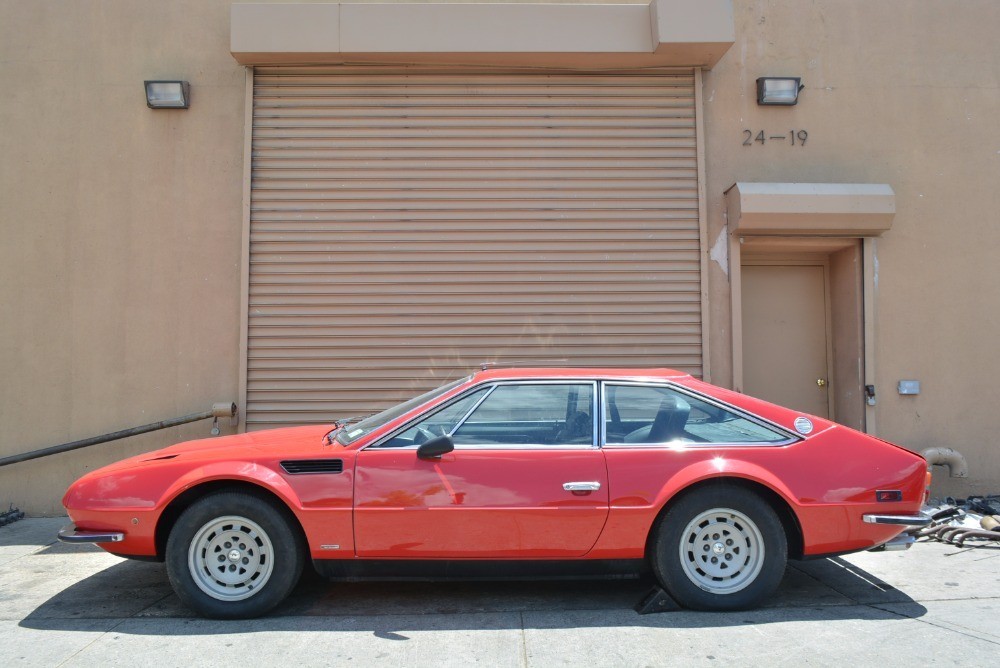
(927, 486)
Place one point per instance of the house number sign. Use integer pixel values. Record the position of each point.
(793, 137)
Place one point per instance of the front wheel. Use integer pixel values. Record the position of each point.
(233, 555)
(721, 547)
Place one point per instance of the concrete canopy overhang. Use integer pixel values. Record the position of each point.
(803, 209)
(689, 33)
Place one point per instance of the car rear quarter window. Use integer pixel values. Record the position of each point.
(639, 414)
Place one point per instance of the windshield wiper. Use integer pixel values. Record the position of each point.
(340, 423)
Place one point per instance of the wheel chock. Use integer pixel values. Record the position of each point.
(656, 600)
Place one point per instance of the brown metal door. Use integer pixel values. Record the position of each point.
(408, 224)
(785, 336)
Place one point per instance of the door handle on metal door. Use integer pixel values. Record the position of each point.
(581, 486)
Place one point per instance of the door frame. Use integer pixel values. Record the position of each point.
(792, 246)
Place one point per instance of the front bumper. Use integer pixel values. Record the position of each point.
(919, 520)
(70, 534)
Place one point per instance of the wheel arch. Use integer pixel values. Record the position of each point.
(173, 510)
(789, 520)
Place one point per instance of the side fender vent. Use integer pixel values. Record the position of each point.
(159, 459)
(301, 466)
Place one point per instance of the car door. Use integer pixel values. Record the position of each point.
(525, 480)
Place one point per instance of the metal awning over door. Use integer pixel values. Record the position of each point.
(408, 224)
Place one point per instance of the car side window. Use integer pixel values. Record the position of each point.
(531, 414)
(649, 414)
(439, 423)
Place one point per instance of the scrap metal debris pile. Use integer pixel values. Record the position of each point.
(956, 521)
(11, 515)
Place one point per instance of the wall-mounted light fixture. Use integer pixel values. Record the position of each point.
(168, 94)
(782, 91)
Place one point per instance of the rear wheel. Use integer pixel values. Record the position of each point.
(233, 555)
(720, 547)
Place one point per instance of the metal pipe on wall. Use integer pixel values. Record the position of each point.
(218, 410)
(953, 459)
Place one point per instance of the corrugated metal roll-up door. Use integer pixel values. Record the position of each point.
(407, 225)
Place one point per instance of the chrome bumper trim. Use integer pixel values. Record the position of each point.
(70, 534)
(900, 542)
(920, 520)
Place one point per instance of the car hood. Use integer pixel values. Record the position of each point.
(288, 439)
(270, 439)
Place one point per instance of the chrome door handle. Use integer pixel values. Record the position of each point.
(581, 486)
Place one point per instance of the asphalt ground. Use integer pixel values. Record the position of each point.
(74, 605)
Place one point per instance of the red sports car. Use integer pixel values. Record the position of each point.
(505, 473)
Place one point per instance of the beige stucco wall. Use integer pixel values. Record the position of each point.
(119, 260)
(903, 93)
(119, 266)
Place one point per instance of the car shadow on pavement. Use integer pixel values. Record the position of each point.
(135, 598)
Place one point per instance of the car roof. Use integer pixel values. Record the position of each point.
(514, 373)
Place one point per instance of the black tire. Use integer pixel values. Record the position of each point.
(249, 556)
(720, 547)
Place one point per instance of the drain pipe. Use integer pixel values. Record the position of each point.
(953, 459)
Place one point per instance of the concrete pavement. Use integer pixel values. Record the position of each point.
(63, 605)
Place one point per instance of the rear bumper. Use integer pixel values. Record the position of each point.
(70, 534)
(918, 520)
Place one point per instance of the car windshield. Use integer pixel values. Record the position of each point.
(348, 434)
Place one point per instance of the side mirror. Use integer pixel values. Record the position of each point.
(435, 447)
